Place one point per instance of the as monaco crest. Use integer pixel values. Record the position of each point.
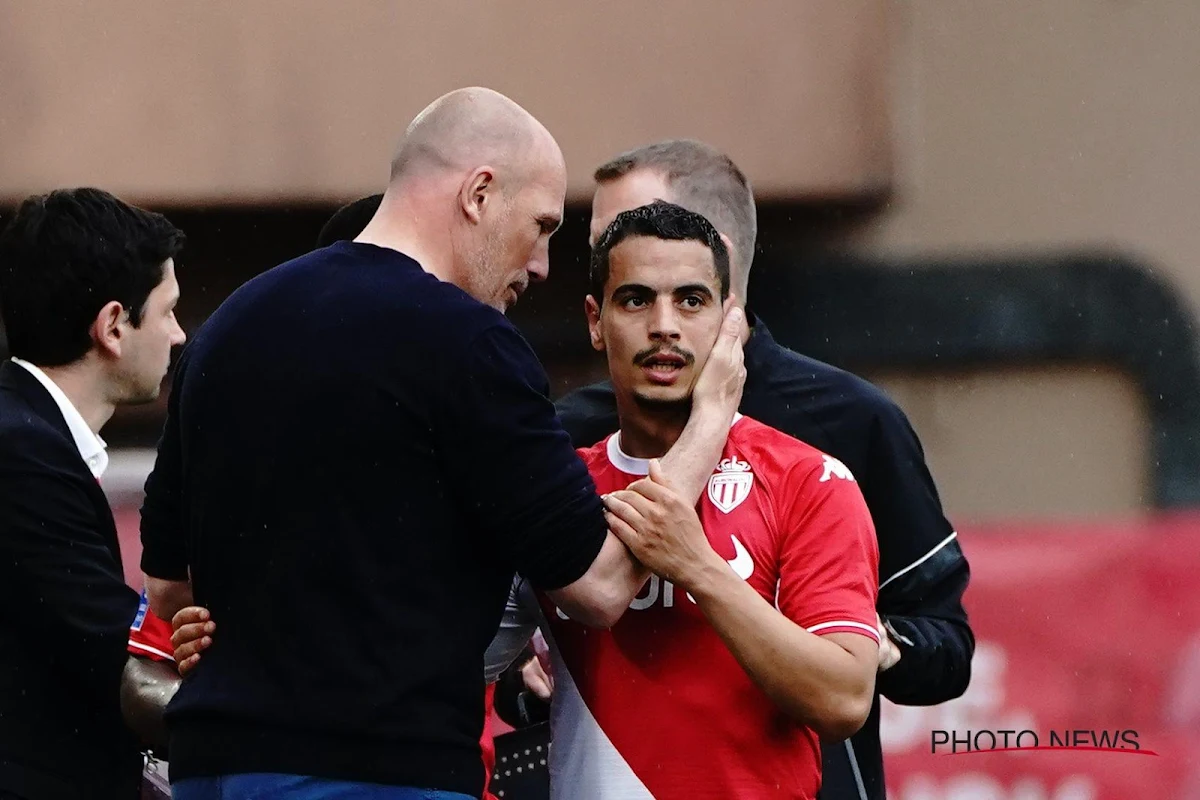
(730, 485)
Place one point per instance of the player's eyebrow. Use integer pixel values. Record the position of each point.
(693, 288)
(634, 289)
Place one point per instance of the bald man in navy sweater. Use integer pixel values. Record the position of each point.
(360, 452)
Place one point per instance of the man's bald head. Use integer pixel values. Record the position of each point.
(477, 188)
(471, 127)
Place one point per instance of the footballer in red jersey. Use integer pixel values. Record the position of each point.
(724, 694)
(659, 706)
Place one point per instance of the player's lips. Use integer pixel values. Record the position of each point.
(663, 368)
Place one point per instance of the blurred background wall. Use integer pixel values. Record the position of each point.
(1025, 126)
(902, 132)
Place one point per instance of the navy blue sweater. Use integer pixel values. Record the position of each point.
(357, 458)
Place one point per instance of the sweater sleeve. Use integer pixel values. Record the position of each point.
(512, 464)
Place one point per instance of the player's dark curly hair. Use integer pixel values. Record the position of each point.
(660, 220)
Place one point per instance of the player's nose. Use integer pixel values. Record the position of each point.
(664, 322)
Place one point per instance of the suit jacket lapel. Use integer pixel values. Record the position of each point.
(18, 380)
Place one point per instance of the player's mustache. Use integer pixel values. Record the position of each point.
(645, 355)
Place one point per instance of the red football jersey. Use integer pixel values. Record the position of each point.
(150, 636)
(657, 707)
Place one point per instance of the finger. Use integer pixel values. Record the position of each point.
(652, 490)
(622, 530)
(189, 649)
(536, 680)
(631, 505)
(540, 688)
(187, 665)
(192, 635)
(188, 616)
(659, 482)
(731, 328)
(192, 632)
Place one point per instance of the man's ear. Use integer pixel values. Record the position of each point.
(592, 309)
(106, 329)
(476, 193)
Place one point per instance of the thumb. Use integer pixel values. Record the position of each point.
(657, 475)
(732, 327)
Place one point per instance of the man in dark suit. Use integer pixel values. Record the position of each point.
(87, 295)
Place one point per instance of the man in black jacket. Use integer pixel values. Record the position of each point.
(87, 295)
(922, 571)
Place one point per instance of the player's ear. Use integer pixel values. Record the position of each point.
(592, 309)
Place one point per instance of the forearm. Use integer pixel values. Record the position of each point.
(811, 678)
(167, 597)
(610, 585)
(694, 456)
(146, 688)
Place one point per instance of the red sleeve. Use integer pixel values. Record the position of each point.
(149, 636)
(829, 558)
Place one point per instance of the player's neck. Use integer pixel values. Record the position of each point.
(650, 432)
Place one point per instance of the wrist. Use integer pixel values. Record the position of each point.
(713, 409)
(708, 580)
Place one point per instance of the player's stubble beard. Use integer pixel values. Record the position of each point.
(665, 409)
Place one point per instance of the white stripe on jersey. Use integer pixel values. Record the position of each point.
(584, 763)
(150, 649)
(846, 624)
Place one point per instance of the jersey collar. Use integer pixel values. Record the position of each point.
(636, 466)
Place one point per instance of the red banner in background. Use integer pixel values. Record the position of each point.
(1084, 631)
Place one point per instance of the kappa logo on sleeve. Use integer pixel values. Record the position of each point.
(835, 469)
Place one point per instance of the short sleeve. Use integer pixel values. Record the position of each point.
(512, 465)
(149, 636)
(829, 558)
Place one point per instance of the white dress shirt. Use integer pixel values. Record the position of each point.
(92, 448)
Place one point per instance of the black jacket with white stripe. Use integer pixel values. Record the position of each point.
(922, 571)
